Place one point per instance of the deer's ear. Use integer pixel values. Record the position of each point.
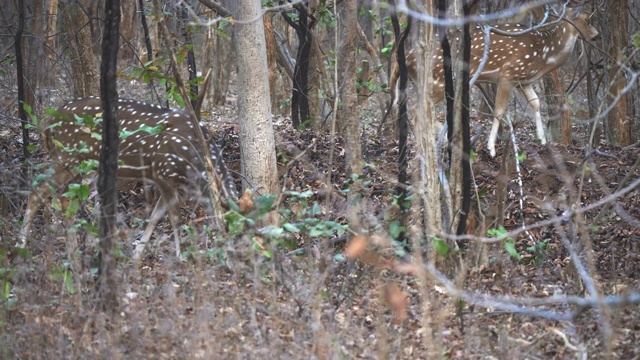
(572, 13)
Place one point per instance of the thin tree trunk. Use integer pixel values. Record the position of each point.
(271, 59)
(191, 57)
(21, 89)
(107, 285)
(34, 53)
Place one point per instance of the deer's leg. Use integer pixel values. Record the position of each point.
(534, 101)
(33, 205)
(174, 218)
(158, 213)
(60, 179)
(167, 202)
(503, 93)
(169, 193)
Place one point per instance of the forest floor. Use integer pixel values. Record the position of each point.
(231, 300)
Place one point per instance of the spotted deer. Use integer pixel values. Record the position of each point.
(513, 61)
(161, 148)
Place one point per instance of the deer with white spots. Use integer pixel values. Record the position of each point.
(513, 61)
(160, 147)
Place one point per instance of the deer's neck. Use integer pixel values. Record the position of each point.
(559, 42)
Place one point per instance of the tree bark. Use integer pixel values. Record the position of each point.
(271, 59)
(83, 65)
(257, 143)
(34, 53)
(559, 113)
(428, 184)
(21, 88)
(49, 76)
(348, 113)
(128, 30)
(109, 158)
(618, 121)
(191, 56)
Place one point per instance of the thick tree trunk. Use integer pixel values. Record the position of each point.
(83, 65)
(49, 76)
(559, 113)
(428, 184)
(128, 30)
(254, 105)
(348, 113)
(618, 121)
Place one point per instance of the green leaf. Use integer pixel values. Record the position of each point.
(262, 204)
(272, 232)
(386, 51)
(57, 143)
(441, 246)
(292, 228)
(395, 229)
(26, 108)
(74, 206)
(636, 40)
(324, 293)
(315, 210)
(56, 204)
(54, 125)
(68, 282)
(510, 246)
(83, 192)
(152, 130)
(233, 206)
(500, 231)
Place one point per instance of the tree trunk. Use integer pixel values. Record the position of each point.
(559, 113)
(618, 121)
(83, 65)
(21, 88)
(109, 158)
(49, 76)
(281, 30)
(128, 31)
(348, 112)
(34, 53)
(187, 33)
(254, 106)
(271, 59)
(428, 184)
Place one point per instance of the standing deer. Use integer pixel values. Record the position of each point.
(513, 61)
(161, 148)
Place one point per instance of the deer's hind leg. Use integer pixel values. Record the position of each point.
(503, 93)
(534, 102)
(167, 203)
